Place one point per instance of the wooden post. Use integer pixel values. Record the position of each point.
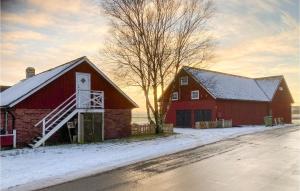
(14, 138)
(44, 124)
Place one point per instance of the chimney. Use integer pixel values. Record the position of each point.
(30, 71)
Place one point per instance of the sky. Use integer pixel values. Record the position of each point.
(254, 38)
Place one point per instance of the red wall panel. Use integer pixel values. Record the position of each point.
(61, 88)
(281, 103)
(242, 112)
(190, 105)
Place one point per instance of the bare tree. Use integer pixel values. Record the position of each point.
(152, 39)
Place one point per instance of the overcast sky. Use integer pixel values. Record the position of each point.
(254, 38)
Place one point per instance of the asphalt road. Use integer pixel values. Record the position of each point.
(258, 162)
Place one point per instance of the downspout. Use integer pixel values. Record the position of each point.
(12, 116)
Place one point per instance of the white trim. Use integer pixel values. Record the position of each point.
(90, 110)
(174, 99)
(113, 84)
(84, 59)
(195, 98)
(183, 82)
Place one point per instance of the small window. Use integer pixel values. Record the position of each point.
(280, 88)
(174, 96)
(184, 80)
(195, 94)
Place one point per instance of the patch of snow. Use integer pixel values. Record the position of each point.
(27, 85)
(27, 169)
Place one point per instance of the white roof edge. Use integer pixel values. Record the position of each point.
(13, 103)
(18, 100)
(111, 82)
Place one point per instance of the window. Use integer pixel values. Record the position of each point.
(174, 96)
(280, 88)
(195, 94)
(184, 80)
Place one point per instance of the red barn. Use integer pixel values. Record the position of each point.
(203, 95)
(71, 102)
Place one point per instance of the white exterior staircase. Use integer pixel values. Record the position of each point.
(82, 101)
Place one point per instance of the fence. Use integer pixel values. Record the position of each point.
(168, 128)
(213, 124)
(142, 129)
(147, 129)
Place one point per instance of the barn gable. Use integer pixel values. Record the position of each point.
(27, 87)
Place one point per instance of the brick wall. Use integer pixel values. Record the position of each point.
(117, 123)
(24, 124)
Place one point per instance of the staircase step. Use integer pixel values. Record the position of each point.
(31, 145)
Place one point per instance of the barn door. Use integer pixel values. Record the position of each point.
(83, 87)
(202, 115)
(183, 118)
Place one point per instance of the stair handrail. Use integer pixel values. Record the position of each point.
(68, 109)
(54, 109)
(62, 109)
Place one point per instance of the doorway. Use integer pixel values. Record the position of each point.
(183, 118)
(83, 88)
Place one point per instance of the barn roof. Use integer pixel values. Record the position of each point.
(26, 87)
(227, 86)
(269, 85)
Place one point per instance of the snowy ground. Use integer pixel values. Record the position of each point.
(25, 169)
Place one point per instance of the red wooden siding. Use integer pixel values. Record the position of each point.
(242, 112)
(60, 89)
(184, 92)
(281, 103)
(206, 101)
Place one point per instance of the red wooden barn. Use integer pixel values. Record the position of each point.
(203, 95)
(71, 102)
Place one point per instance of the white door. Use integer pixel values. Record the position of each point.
(83, 88)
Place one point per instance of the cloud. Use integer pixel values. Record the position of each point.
(58, 6)
(22, 35)
(29, 19)
(255, 38)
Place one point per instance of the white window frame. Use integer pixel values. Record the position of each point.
(175, 99)
(184, 80)
(195, 91)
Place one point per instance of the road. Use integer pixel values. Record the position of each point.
(263, 161)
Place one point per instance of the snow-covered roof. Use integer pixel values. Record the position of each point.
(26, 87)
(227, 86)
(269, 85)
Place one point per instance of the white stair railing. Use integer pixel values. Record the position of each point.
(83, 99)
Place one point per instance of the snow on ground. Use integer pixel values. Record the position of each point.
(36, 168)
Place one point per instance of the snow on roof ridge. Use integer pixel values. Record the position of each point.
(229, 86)
(223, 73)
(268, 77)
(74, 61)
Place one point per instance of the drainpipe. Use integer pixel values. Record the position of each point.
(12, 116)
